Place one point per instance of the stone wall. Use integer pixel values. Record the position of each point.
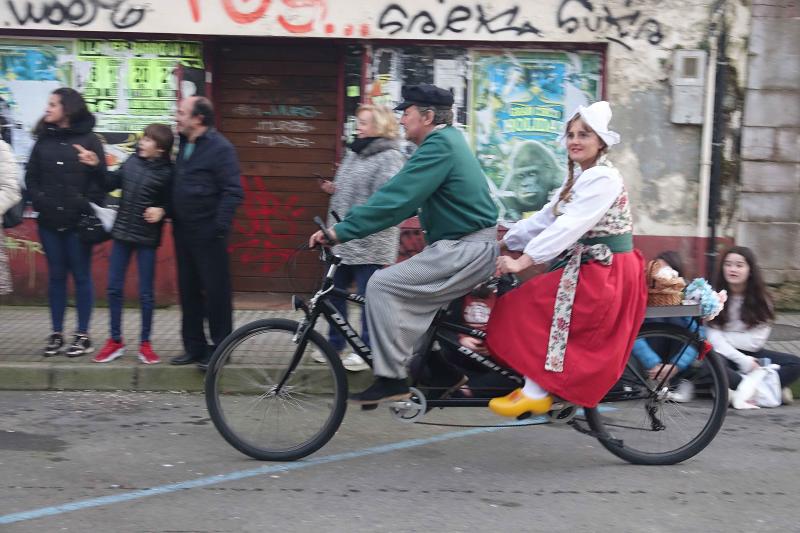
(769, 198)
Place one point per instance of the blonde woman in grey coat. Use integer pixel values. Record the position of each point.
(372, 158)
(9, 196)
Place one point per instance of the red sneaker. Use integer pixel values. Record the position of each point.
(110, 351)
(147, 355)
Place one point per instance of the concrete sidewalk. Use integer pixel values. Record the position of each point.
(24, 330)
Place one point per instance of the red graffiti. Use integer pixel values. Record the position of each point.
(303, 21)
(243, 17)
(261, 211)
(297, 16)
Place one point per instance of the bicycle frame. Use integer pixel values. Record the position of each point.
(320, 304)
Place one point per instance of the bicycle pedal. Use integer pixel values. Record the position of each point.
(369, 407)
(524, 416)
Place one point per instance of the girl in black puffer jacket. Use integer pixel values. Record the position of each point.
(145, 179)
(65, 172)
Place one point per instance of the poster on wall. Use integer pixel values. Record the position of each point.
(29, 72)
(129, 85)
(519, 101)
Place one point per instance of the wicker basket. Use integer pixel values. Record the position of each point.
(660, 291)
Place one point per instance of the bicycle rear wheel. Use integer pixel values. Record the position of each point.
(644, 424)
(254, 414)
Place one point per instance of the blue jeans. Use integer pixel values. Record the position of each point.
(345, 276)
(118, 264)
(65, 254)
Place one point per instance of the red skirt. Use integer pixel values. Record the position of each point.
(610, 303)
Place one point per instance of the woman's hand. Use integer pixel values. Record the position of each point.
(476, 345)
(507, 265)
(662, 372)
(154, 214)
(327, 186)
(87, 157)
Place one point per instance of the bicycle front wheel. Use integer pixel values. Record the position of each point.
(645, 421)
(264, 415)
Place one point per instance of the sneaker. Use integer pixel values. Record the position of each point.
(382, 390)
(81, 345)
(147, 355)
(319, 357)
(787, 396)
(55, 343)
(354, 363)
(110, 351)
(683, 393)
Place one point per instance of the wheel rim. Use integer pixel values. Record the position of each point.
(640, 419)
(263, 419)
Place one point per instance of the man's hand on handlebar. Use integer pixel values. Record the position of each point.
(319, 238)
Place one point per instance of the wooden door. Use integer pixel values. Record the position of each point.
(277, 104)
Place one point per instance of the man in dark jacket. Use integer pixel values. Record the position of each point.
(205, 193)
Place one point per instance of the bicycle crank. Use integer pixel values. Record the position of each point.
(410, 410)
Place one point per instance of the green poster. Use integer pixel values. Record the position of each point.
(519, 103)
(131, 84)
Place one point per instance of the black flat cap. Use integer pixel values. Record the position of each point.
(425, 95)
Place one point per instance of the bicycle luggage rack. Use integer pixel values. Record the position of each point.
(667, 311)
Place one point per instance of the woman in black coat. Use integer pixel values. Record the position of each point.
(65, 172)
(146, 180)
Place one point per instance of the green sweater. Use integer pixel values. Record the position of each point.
(442, 183)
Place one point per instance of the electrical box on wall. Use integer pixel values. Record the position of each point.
(688, 81)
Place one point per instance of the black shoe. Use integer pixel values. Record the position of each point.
(202, 364)
(382, 390)
(185, 359)
(55, 343)
(81, 345)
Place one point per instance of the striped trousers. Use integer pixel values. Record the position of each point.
(403, 298)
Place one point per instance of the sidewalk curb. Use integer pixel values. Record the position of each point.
(112, 377)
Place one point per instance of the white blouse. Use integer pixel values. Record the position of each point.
(736, 335)
(543, 235)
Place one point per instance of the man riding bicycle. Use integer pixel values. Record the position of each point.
(444, 185)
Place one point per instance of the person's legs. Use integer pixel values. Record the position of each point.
(80, 263)
(214, 271)
(193, 304)
(362, 275)
(117, 268)
(55, 253)
(403, 298)
(146, 264)
(341, 280)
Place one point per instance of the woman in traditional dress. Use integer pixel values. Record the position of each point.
(570, 331)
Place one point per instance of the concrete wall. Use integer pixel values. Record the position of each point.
(769, 196)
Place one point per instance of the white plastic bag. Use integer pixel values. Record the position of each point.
(759, 388)
(106, 215)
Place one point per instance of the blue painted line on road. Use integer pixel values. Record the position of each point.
(242, 474)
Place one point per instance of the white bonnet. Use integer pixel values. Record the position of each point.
(596, 116)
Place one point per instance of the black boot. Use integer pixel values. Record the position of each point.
(382, 390)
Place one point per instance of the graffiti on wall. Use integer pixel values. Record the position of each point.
(520, 102)
(122, 14)
(257, 238)
(617, 24)
(625, 22)
(455, 19)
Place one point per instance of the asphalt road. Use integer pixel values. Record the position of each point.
(142, 462)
